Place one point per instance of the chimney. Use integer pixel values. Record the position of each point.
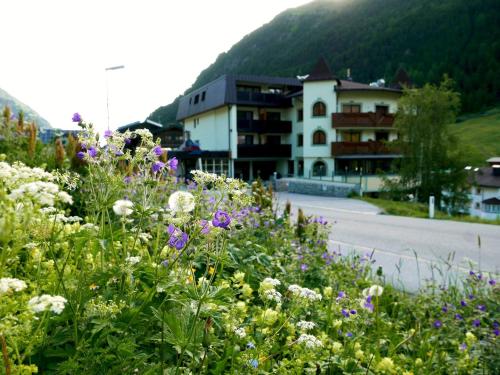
(349, 78)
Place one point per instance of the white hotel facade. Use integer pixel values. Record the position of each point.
(320, 126)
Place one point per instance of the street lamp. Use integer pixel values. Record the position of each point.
(107, 85)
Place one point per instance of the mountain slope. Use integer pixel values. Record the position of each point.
(481, 133)
(374, 38)
(16, 106)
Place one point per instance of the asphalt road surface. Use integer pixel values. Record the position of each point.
(410, 250)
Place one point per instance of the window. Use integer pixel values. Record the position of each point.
(381, 136)
(274, 116)
(319, 109)
(319, 137)
(351, 108)
(319, 169)
(273, 140)
(203, 94)
(244, 115)
(300, 140)
(245, 139)
(196, 98)
(190, 100)
(275, 90)
(382, 109)
(248, 88)
(300, 115)
(291, 167)
(351, 137)
(492, 208)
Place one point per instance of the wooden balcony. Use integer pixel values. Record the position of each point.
(264, 126)
(262, 99)
(265, 151)
(362, 120)
(363, 148)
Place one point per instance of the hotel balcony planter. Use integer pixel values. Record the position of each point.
(362, 120)
(264, 126)
(262, 99)
(363, 148)
(265, 151)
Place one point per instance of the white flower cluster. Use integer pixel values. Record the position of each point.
(47, 302)
(271, 282)
(374, 290)
(240, 332)
(123, 207)
(305, 325)
(237, 188)
(8, 284)
(310, 341)
(305, 293)
(181, 201)
(17, 174)
(41, 192)
(133, 260)
(272, 295)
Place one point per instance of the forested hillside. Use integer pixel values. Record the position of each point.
(374, 38)
(7, 100)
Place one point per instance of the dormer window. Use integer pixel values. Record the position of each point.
(203, 94)
(319, 109)
(196, 98)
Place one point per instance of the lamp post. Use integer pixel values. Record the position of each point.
(107, 86)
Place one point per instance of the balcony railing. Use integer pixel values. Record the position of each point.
(264, 126)
(363, 148)
(262, 99)
(362, 120)
(265, 151)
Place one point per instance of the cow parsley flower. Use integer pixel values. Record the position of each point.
(8, 284)
(181, 201)
(273, 295)
(123, 207)
(133, 260)
(310, 341)
(47, 302)
(305, 325)
(240, 332)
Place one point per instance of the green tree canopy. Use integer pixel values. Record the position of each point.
(432, 159)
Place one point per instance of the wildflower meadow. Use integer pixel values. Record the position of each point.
(122, 268)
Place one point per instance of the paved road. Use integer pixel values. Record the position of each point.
(439, 245)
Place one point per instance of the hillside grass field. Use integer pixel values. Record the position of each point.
(481, 133)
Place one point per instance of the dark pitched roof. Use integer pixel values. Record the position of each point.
(321, 72)
(152, 126)
(493, 201)
(485, 177)
(346, 85)
(401, 79)
(223, 91)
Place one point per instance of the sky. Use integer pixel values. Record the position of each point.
(55, 52)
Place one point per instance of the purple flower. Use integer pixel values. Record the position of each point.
(471, 296)
(158, 151)
(92, 152)
(476, 322)
(205, 227)
(345, 313)
(463, 346)
(471, 273)
(128, 141)
(304, 267)
(165, 263)
(481, 307)
(348, 334)
(492, 282)
(178, 238)
(496, 332)
(250, 345)
(444, 308)
(221, 219)
(437, 324)
(127, 179)
(254, 363)
(76, 117)
(458, 317)
(463, 303)
(353, 312)
(173, 163)
(157, 166)
(80, 155)
(108, 134)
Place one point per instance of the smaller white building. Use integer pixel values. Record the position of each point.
(485, 191)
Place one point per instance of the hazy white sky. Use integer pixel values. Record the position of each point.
(54, 52)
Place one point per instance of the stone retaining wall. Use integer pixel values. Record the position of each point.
(314, 187)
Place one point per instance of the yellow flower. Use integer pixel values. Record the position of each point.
(211, 270)
(246, 290)
(269, 317)
(239, 276)
(470, 338)
(386, 365)
(336, 346)
(328, 291)
(359, 354)
(418, 362)
(93, 286)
